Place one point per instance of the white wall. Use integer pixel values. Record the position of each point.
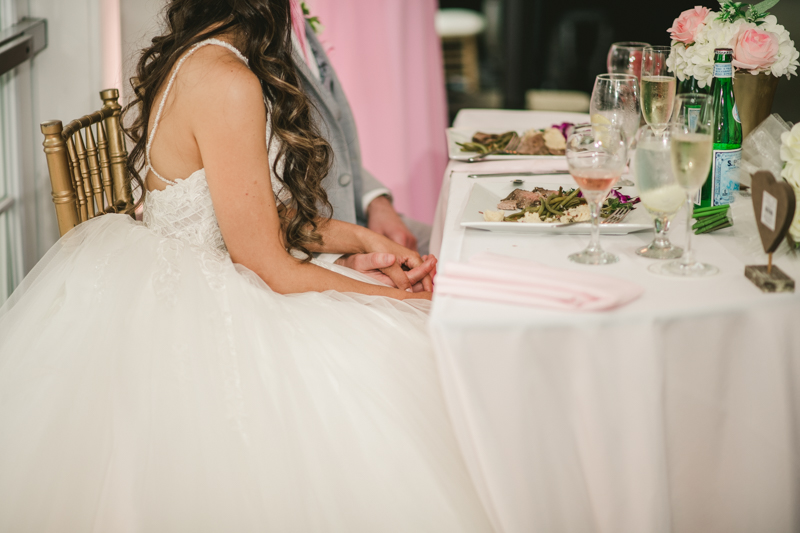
(140, 23)
(62, 82)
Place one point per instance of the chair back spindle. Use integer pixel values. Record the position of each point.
(118, 154)
(83, 166)
(77, 180)
(88, 170)
(61, 177)
(105, 162)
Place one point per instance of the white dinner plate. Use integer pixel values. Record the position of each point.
(455, 135)
(487, 195)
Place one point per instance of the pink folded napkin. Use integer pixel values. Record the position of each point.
(497, 278)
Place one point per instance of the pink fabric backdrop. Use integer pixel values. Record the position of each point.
(389, 60)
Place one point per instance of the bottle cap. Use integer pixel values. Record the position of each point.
(724, 51)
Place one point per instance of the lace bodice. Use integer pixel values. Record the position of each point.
(184, 209)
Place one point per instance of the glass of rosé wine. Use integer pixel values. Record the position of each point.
(596, 156)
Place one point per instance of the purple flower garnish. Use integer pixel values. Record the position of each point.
(624, 198)
(564, 128)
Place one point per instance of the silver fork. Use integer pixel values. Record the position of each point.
(510, 148)
(617, 216)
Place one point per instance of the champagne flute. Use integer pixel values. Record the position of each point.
(615, 102)
(596, 157)
(625, 58)
(659, 191)
(690, 150)
(657, 86)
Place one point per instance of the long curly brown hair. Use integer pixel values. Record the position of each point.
(263, 31)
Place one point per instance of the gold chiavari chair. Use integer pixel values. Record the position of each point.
(87, 161)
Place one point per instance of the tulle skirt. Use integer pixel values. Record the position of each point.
(151, 386)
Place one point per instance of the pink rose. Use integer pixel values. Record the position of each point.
(685, 27)
(755, 49)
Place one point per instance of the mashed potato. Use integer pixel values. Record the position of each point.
(581, 213)
(531, 218)
(493, 216)
(554, 139)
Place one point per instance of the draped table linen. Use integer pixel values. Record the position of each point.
(679, 412)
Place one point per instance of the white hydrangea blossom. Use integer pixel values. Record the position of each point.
(786, 62)
(697, 59)
(790, 153)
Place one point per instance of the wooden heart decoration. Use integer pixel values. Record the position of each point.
(774, 205)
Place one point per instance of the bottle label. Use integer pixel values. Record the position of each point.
(723, 70)
(725, 176)
(692, 113)
(736, 114)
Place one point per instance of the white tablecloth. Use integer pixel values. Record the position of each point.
(678, 413)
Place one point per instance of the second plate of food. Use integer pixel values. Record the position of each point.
(495, 199)
(459, 142)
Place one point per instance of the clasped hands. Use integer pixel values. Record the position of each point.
(392, 258)
(401, 268)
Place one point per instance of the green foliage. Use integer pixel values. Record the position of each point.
(314, 21)
(732, 11)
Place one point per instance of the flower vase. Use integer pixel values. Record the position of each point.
(754, 95)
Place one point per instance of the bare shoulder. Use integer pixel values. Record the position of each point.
(215, 80)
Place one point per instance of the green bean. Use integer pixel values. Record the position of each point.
(473, 147)
(572, 195)
(553, 211)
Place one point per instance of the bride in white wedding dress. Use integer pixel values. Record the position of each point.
(188, 374)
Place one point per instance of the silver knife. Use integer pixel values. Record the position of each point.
(509, 174)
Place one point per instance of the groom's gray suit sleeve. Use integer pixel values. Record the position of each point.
(348, 181)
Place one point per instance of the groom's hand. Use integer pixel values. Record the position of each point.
(385, 268)
(384, 220)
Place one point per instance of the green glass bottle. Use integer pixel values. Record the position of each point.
(723, 178)
(691, 85)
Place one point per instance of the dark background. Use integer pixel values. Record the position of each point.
(547, 44)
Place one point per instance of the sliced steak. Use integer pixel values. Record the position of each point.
(519, 199)
(532, 144)
(507, 205)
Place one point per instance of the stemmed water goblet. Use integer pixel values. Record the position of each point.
(657, 86)
(596, 157)
(659, 191)
(690, 151)
(615, 102)
(625, 58)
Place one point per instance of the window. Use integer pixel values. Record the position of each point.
(10, 239)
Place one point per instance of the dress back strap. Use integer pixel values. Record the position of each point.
(163, 102)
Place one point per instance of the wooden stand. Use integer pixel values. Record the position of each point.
(774, 205)
(769, 280)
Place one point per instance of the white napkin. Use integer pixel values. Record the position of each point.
(502, 279)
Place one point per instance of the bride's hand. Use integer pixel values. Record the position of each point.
(385, 268)
(407, 259)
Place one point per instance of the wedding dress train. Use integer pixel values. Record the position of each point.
(149, 384)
